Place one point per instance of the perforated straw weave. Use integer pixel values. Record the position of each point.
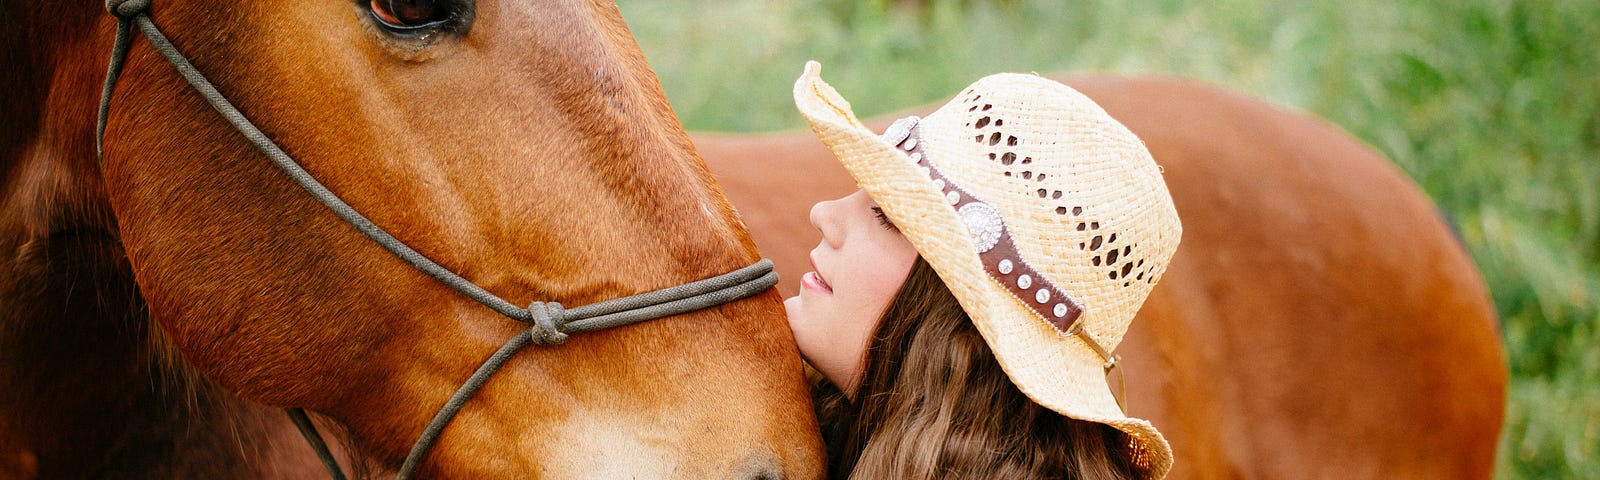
(1081, 198)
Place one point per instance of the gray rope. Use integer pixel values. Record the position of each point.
(689, 297)
(309, 431)
(125, 13)
(551, 322)
(119, 55)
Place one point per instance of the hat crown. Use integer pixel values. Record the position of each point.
(1082, 198)
(1011, 142)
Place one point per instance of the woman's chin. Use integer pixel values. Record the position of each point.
(792, 307)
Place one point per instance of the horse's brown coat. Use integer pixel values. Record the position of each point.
(535, 156)
(1318, 320)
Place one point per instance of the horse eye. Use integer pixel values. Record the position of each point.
(408, 14)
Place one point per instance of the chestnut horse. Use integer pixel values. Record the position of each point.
(1318, 320)
(156, 302)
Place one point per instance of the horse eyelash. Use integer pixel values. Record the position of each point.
(884, 219)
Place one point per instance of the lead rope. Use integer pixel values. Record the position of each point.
(689, 297)
(713, 291)
(551, 323)
(309, 431)
(135, 12)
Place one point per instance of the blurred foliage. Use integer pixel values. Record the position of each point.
(1492, 106)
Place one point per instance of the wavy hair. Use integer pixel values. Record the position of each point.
(934, 403)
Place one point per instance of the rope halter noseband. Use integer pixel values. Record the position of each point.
(550, 322)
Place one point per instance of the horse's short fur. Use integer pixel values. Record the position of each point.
(533, 153)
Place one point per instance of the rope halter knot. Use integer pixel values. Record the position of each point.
(551, 322)
(123, 9)
(547, 319)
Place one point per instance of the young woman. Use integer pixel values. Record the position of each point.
(965, 301)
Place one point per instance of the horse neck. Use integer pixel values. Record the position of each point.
(87, 388)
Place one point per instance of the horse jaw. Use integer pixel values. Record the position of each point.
(540, 168)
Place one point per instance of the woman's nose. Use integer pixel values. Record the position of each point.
(821, 219)
(817, 213)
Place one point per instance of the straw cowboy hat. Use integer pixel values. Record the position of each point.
(1045, 217)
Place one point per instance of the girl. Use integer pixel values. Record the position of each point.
(964, 303)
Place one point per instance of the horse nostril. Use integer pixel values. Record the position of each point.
(768, 475)
(761, 467)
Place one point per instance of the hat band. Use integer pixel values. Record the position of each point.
(990, 237)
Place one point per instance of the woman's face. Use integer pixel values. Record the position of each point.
(856, 271)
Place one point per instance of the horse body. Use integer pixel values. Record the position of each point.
(1318, 320)
(154, 302)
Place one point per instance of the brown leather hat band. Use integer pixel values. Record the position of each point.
(991, 238)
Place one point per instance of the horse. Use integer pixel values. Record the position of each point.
(1318, 320)
(160, 302)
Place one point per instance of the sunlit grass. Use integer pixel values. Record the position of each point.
(1492, 106)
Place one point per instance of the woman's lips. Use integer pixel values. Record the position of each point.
(814, 280)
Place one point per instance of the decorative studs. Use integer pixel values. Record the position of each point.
(983, 222)
(900, 130)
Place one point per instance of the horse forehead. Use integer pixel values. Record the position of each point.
(550, 126)
(536, 82)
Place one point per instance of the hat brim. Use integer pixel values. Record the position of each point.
(1060, 373)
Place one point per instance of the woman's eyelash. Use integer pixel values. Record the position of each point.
(884, 219)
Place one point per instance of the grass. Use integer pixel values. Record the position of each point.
(1492, 106)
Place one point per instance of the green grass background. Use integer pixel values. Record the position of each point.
(1492, 106)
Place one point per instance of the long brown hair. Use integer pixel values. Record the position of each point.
(934, 403)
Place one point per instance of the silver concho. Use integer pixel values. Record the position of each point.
(983, 222)
(900, 130)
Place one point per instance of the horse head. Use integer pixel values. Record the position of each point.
(525, 146)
